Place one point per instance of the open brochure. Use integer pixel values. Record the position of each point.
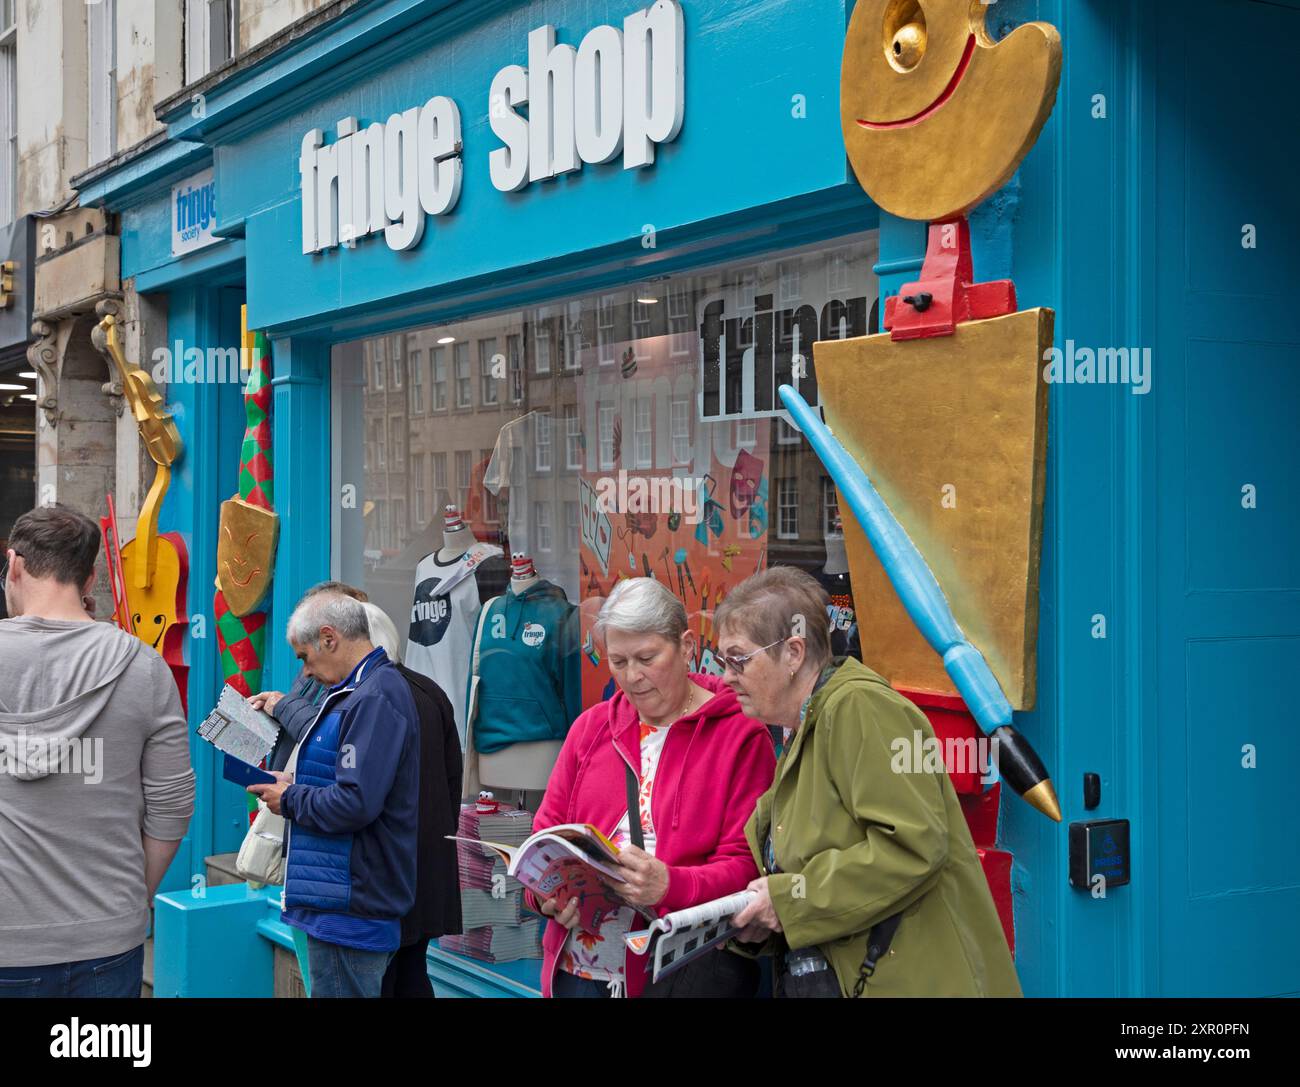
(565, 862)
(688, 934)
(236, 728)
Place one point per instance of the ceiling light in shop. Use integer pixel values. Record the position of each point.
(27, 396)
(448, 339)
(648, 301)
(5, 387)
(28, 374)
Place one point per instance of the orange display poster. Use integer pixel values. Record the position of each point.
(664, 493)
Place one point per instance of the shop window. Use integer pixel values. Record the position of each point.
(396, 362)
(787, 509)
(542, 526)
(442, 495)
(681, 430)
(101, 43)
(837, 272)
(572, 529)
(542, 439)
(211, 36)
(398, 532)
(830, 506)
(746, 290)
(464, 469)
(417, 490)
(681, 321)
(573, 341)
(487, 350)
(8, 112)
(491, 503)
(526, 483)
(606, 337)
(572, 437)
(464, 388)
(415, 362)
(791, 282)
(439, 356)
(542, 341)
(643, 456)
(515, 354)
(608, 413)
(396, 426)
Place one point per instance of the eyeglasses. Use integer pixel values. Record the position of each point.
(737, 664)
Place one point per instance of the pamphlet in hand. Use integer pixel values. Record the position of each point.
(238, 729)
(565, 862)
(688, 934)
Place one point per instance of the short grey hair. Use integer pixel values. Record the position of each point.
(327, 609)
(383, 632)
(642, 605)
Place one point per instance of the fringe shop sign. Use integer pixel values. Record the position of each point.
(620, 91)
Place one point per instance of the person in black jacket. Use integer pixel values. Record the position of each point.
(437, 882)
(437, 878)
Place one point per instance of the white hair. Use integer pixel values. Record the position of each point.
(641, 605)
(327, 609)
(383, 632)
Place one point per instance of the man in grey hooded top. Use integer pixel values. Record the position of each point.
(96, 788)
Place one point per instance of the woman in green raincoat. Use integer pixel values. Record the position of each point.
(872, 885)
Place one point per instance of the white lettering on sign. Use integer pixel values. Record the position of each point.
(384, 178)
(619, 90)
(194, 213)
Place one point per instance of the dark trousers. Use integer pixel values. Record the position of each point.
(116, 976)
(408, 973)
(566, 986)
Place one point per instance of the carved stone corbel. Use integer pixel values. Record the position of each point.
(113, 386)
(44, 357)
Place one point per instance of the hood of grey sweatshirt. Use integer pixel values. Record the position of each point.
(56, 678)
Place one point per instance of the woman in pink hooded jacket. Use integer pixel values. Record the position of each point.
(700, 765)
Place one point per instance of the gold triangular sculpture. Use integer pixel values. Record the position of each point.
(953, 433)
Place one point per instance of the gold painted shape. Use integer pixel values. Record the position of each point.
(246, 541)
(952, 112)
(961, 417)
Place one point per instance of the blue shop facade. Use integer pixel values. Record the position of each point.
(528, 250)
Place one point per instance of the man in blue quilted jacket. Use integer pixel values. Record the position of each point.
(352, 802)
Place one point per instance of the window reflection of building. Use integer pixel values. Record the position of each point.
(431, 402)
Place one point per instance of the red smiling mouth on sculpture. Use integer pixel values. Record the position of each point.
(948, 92)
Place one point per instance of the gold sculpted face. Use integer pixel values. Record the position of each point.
(245, 553)
(936, 115)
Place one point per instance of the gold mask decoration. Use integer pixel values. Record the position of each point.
(245, 553)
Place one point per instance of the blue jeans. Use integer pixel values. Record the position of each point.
(119, 975)
(338, 971)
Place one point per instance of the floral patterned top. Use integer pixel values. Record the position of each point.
(599, 956)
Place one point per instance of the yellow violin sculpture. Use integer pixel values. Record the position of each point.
(155, 566)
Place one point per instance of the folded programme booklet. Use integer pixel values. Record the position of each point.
(237, 729)
(689, 933)
(565, 862)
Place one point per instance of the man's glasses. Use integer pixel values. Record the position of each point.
(737, 664)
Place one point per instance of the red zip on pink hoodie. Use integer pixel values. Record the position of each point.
(714, 766)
